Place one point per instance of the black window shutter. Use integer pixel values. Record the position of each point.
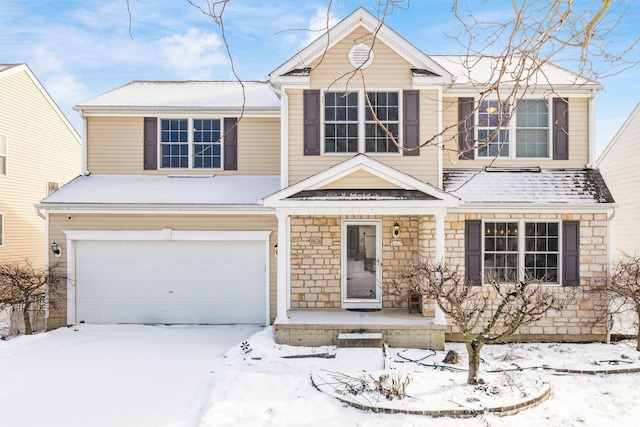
(466, 123)
(411, 120)
(473, 251)
(150, 143)
(560, 129)
(231, 144)
(570, 253)
(311, 100)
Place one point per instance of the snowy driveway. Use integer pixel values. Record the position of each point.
(125, 375)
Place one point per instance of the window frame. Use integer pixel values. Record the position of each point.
(511, 128)
(362, 122)
(190, 141)
(1, 230)
(522, 249)
(4, 156)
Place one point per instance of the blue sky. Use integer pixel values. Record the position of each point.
(82, 48)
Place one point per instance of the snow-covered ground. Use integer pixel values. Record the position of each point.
(174, 376)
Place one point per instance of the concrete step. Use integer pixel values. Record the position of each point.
(369, 339)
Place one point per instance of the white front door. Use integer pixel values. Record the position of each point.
(361, 267)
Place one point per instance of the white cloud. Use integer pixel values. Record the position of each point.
(319, 23)
(193, 55)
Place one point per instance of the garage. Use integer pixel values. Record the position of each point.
(170, 281)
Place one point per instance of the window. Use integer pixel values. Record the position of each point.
(542, 251)
(501, 251)
(350, 127)
(493, 132)
(340, 122)
(506, 249)
(190, 143)
(52, 187)
(3, 155)
(1, 230)
(523, 135)
(386, 109)
(532, 129)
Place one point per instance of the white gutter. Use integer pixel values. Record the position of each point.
(284, 135)
(38, 212)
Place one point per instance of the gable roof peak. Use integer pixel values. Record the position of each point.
(358, 18)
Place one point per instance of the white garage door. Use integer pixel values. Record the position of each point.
(170, 282)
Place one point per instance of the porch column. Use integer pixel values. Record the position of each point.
(439, 318)
(283, 257)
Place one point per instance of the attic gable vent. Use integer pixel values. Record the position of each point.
(361, 56)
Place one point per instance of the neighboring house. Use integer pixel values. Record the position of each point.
(39, 152)
(301, 210)
(619, 165)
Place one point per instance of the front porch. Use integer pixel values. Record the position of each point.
(399, 328)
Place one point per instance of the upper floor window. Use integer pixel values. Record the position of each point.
(522, 132)
(3, 154)
(190, 143)
(355, 124)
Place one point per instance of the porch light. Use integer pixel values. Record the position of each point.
(56, 249)
(275, 250)
(396, 230)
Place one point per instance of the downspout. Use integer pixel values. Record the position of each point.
(440, 143)
(83, 150)
(610, 217)
(592, 130)
(284, 135)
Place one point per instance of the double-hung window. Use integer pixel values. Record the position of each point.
(513, 249)
(355, 124)
(190, 143)
(520, 132)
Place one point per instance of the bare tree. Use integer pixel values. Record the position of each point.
(515, 51)
(23, 287)
(624, 283)
(484, 314)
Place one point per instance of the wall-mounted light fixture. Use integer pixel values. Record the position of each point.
(275, 250)
(56, 249)
(396, 230)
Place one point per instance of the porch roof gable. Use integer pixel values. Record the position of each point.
(318, 187)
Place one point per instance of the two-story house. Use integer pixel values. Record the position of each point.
(292, 205)
(39, 152)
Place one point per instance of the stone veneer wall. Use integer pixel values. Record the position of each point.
(584, 316)
(316, 258)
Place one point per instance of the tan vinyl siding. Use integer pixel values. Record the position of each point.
(423, 167)
(360, 179)
(116, 147)
(388, 69)
(60, 222)
(619, 166)
(578, 140)
(41, 148)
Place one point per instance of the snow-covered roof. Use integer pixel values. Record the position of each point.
(527, 185)
(141, 190)
(481, 70)
(7, 66)
(209, 95)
